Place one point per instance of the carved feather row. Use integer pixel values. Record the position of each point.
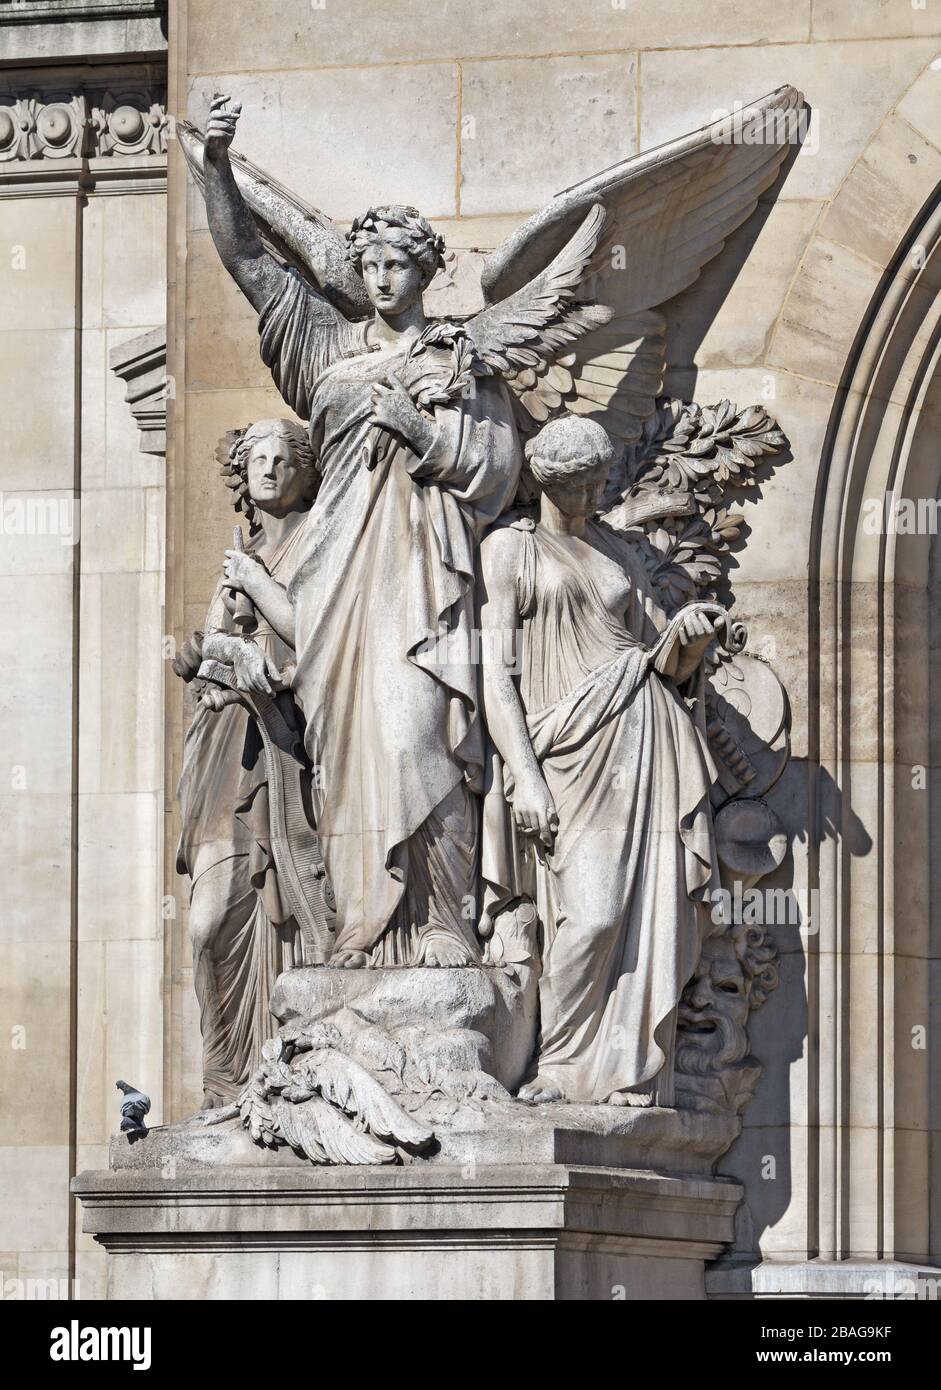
(539, 321)
(659, 201)
(614, 375)
(344, 1083)
(325, 1135)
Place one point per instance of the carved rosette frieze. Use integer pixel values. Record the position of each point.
(129, 123)
(32, 127)
(61, 125)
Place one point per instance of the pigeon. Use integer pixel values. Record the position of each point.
(134, 1107)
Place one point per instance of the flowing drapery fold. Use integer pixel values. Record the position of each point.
(622, 895)
(387, 670)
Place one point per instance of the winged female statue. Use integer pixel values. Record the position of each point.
(416, 424)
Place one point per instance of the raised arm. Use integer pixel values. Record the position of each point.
(533, 808)
(255, 271)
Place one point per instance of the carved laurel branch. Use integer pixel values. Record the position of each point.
(431, 382)
(680, 473)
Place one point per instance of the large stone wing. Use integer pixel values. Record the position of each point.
(669, 212)
(291, 229)
(537, 323)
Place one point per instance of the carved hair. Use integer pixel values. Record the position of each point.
(235, 461)
(759, 959)
(566, 447)
(403, 227)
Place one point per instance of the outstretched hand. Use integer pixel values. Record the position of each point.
(220, 127)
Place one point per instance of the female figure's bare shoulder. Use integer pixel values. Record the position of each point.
(502, 547)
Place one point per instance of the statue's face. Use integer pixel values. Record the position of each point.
(393, 280)
(277, 482)
(713, 1013)
(579, 495)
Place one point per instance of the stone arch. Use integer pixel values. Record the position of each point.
(876, 288)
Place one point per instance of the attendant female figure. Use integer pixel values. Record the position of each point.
(242, 932)
(598, 806)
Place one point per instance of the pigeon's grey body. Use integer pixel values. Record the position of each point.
(134, 1107)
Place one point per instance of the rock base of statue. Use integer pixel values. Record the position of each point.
(509, 1200)
(445, 1021)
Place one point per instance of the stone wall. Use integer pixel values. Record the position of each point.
(82, 272)
(478, 113)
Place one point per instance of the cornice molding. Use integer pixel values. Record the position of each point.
(68, 11)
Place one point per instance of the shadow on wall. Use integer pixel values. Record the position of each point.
(766, 1158)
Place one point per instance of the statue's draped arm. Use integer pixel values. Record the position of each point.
(534, 810)
(302, 332)
(301, 335)
(298, 234)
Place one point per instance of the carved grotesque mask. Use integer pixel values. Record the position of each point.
(713, 1013)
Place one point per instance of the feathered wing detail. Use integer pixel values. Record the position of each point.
(682, 198)
(614, 375)
(349, 1086)
(342, 1141)
(295, 232)
(536, 324)
(325, 1135)
(669, 212)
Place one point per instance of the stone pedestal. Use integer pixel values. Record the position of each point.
(538, 1203)
(533, 1231)
(824, 1279)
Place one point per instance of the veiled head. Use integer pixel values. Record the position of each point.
(570, 459)
(275, 469)
(396, 252)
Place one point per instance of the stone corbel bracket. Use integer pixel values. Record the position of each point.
(142, 364)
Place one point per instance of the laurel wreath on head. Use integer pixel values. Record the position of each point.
(235, 477)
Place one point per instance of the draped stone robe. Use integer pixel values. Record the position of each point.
(387, 671)
(622, 897)
(225, 848)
